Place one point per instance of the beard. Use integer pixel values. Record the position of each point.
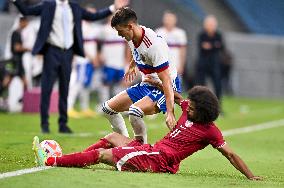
(190, 118)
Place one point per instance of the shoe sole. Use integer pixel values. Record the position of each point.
(35, 149)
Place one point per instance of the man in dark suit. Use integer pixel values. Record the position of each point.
(58, 39)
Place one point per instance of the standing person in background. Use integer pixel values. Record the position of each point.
(14, 67)
(84, 69)
(32, 63)
(18, 49)
(226, 70)
(58, 39)
(176, 39)
(210, 43)
(113, 57)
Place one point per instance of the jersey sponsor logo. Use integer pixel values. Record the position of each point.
(188, 124)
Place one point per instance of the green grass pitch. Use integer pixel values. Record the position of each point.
(263, 151)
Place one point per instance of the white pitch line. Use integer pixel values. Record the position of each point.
(24, 171)
(253, 128)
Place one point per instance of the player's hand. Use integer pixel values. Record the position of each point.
(256, 178)
(149, 79)
(130, 74)
(120, 3)
(184, 103)
(170, 120)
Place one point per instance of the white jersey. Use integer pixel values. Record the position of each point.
(152, 55)
(175, 39)
(113, 49)
(91, 32)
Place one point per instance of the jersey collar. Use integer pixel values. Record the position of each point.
(140, 41)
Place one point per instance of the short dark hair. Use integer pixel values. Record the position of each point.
(122, 16)
(23, 18)
(205, 103)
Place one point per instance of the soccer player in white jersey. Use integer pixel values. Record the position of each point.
(113, 58)
(82, 71)
(176, 39)
(150, 55)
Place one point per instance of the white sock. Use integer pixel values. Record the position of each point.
(116, 120)
(84, 98)
(74, 89)
(137, 122)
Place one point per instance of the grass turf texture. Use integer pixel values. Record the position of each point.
(262, 151)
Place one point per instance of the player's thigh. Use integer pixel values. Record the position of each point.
(121, 102)
(106, 157)
(117, 139)
(147, 105)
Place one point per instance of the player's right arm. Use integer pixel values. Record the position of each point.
(28, 10)
(237, 162)
(164, 76)
(131, 73)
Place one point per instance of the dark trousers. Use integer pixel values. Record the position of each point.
(209, 66)
(57, 64)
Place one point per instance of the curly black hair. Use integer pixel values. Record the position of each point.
(205, 103)
(122, 16)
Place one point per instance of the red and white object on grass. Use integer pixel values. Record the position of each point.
(52, 148)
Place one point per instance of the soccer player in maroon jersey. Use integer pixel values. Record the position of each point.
(194, 131)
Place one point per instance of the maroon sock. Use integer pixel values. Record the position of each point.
(79, 159)
(102, 143)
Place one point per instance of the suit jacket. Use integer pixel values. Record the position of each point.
(46, 11)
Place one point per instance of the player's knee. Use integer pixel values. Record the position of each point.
(105, 156)
(135, 112)
(112, 136)
(107, 109)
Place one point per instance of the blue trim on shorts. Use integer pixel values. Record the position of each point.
(141, 90)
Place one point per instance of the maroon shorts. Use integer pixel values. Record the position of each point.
(137, 158)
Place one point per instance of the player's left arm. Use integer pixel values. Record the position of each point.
(169, 94)
(237, 162)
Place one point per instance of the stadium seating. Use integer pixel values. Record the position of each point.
(194, 8)
(261, 16)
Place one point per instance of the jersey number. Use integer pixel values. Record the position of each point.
(175, 133)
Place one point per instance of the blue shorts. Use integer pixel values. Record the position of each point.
(141, 90)
(85, 72)
(111, 76)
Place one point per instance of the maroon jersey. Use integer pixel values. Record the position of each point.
(187, 138)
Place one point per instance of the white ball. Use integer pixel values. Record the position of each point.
(52, 148)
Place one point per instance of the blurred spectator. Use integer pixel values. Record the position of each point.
(18, 50)
(32, 63)
(13, 68)
(113, 57)
(210, 43)
(226, 67)
(83, 70)
(176, 39)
